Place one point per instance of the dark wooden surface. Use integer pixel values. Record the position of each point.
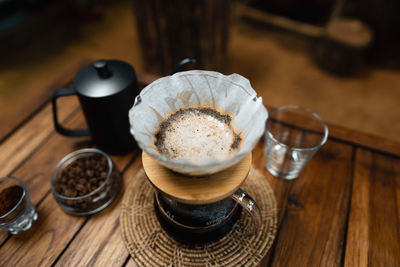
(197, 29)
(343, 210)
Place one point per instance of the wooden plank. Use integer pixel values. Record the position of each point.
(364, 140)
(47, 238)
(54, 229)
(99, 242)
(312, 230)
(35, 133)
(373, 236)
(312, 209)
(357, 138)
(9, 126)
(29, 136)
(36, 171)
(18, 147)
(280, 187)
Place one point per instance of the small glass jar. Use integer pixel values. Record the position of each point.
(16, 210)
(100, 192)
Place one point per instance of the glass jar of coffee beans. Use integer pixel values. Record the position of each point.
(85, 182)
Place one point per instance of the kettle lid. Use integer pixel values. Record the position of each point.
(104, 78)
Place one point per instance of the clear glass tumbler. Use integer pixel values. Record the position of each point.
(293, 135)
(16, 209)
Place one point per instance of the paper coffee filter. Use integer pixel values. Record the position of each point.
(231, 94)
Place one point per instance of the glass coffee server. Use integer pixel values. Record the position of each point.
(199, 209)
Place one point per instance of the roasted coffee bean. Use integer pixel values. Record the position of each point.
(70, 193)
(89, 173)
(81, 187)
(71, 182)
(82, 176)
(63, 187)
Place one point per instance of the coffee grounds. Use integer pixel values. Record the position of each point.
(165, 125)
(160, 134)
(9, 197)
(82, 177)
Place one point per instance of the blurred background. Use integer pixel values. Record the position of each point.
(340, 58)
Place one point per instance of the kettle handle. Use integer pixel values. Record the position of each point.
(182, 63)
(59, 128)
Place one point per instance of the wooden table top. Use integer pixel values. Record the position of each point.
(344, 209)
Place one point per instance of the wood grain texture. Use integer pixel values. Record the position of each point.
(199, 189)
(325, 217)
(41, 244)
(99, 242)
(313, 227)
(379, 144)
(31, 135)
(373, 236)
(54, 229)
(281, 187)
(48, 237)
(7, 127)
(354, 137)
(197, 29)
(35, 172)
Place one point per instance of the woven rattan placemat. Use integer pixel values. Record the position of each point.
(150, 245)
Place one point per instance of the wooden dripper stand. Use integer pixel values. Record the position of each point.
(198, 209)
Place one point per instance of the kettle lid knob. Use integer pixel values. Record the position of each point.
(102, 69)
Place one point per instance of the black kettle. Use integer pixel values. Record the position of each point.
(106, 90)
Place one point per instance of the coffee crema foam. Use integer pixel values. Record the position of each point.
(197, 134)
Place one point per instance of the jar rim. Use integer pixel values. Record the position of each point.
(307, 111)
